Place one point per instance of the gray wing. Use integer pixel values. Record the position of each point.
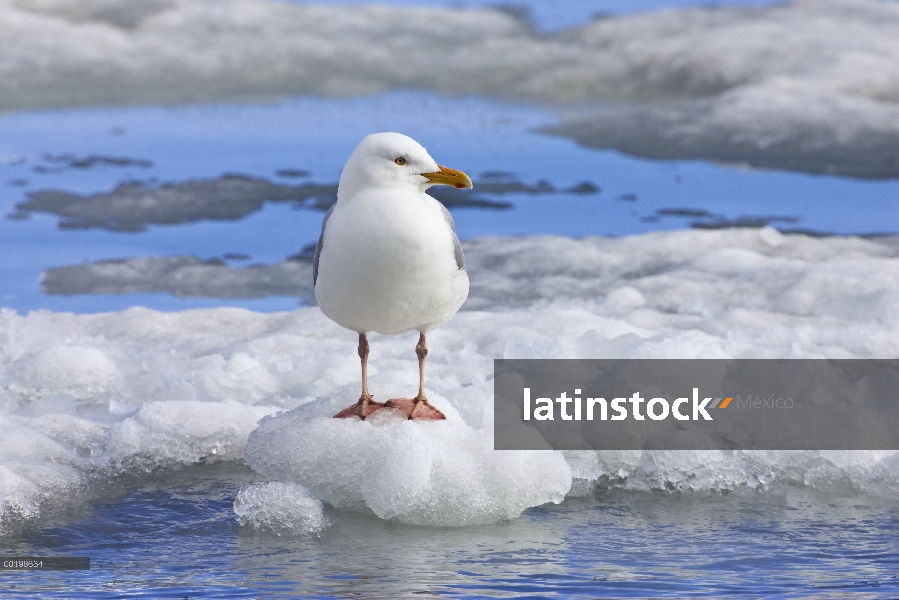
(457, 245)
(321, 240)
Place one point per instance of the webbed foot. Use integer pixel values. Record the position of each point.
(362, 409)
(415, 409)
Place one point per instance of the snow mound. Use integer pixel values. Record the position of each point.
(442, 473)
(280, 508)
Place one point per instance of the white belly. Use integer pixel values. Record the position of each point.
(388, 265)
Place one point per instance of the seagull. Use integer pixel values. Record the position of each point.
(388, 259)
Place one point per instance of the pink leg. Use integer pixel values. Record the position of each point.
(366, 405)
(418, 407)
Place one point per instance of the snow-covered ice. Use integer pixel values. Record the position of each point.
(810, 85)
(98, 395)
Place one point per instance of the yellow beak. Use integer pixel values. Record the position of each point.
(447, 176)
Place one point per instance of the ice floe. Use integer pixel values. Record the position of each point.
(98, 395)
(807, 85)
(133, 205)
(182, 276)
(661, 269)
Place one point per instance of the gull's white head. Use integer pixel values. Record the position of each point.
(394, 160)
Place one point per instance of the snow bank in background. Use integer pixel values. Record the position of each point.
(809, 85)
(130, 391)
(182, 276)
(207, 49)
(760, 126)
(427, 473)
(280, 508)
(715, 281)
(661, 270)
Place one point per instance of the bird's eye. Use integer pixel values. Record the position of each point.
(400, 161)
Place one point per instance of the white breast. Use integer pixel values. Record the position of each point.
(387, 264)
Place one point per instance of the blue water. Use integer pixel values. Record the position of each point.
(173, 535)
(316, 135)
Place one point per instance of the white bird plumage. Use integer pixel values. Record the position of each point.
(388, 259)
